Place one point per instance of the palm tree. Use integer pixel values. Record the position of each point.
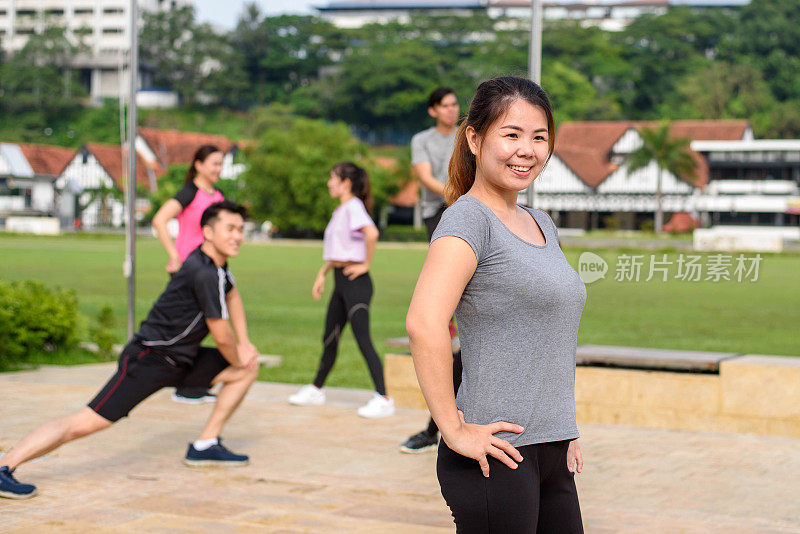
(669, 153)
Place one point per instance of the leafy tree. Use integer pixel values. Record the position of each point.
(383, 87)
(188, 57)
(39, 76)
(671, 154)
(660, 50)
(283, 53)
(289, 168)
(726, 91)
(768, 32)
(573, 97)
(592, 52)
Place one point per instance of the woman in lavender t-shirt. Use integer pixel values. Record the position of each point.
(349, 243)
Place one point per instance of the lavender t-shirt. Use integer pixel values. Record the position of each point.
(343, 241)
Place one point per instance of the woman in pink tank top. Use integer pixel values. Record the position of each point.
(188, 204)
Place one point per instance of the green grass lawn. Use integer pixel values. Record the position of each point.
(275, 281)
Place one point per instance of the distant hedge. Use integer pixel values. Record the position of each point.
(35, 318)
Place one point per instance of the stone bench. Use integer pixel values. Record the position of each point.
(626, 357)
(690, 390)
(744, 238)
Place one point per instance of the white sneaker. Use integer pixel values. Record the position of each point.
(309, 395)
(378, 406)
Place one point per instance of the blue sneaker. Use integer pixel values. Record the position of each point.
(214, 455)
(10, 488)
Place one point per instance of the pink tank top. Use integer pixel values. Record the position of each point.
(194, 201)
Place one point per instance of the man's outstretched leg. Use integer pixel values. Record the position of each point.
(208, 449)
(44, 439)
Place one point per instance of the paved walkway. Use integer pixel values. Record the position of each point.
(323, 469)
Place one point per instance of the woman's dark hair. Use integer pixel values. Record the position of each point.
(438, 94)
(491, 101)
(359, 181)
(202, 153)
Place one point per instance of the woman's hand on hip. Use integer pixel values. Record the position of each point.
(174, 264)
(354, 270)
(478, 442)
(574, 457)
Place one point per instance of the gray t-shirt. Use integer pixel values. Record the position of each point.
(432, 147)
(518, 325)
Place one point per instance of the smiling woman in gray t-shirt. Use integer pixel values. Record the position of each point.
(518, 304)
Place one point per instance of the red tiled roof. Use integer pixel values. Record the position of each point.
(47, 159)
(111, 159)
(585, 147)
(174, 146)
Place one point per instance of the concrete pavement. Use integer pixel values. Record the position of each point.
(324, 469)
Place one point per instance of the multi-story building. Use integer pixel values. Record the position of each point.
(103, 24)
(612, 15)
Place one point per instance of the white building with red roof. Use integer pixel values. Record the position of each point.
(587, 178)
(92, 185)
(27, 174)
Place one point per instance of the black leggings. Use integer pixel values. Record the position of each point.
(350, 301)
(539, 496)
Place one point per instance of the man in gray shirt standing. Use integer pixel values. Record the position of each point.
(431, 151)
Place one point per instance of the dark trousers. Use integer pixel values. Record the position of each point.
(539, 497)
(349, 302)
(430, 225)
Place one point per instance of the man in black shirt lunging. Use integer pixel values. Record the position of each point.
(166, 352)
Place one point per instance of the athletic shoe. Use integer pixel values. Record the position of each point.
(420, 442)
(214, 455)
(11, 488)
(378, 406)
(193, 396)
(309, 395)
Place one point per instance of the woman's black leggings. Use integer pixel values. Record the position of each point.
(538, 497)
(349, 302)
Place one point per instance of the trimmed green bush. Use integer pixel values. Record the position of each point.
(103, 332)
(396, 232)
(35, 319)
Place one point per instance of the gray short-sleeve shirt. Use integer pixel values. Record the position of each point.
(518, 323)
(429, 146)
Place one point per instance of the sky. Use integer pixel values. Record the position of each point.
(225, 14)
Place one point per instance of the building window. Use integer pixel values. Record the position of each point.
(85, 158)
(26, 13)
(83, 11)
(3, 12)
(113, 11)
(112, 31)
(54, 12)
(25, 31)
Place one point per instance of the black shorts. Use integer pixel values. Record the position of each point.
(141, 372)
